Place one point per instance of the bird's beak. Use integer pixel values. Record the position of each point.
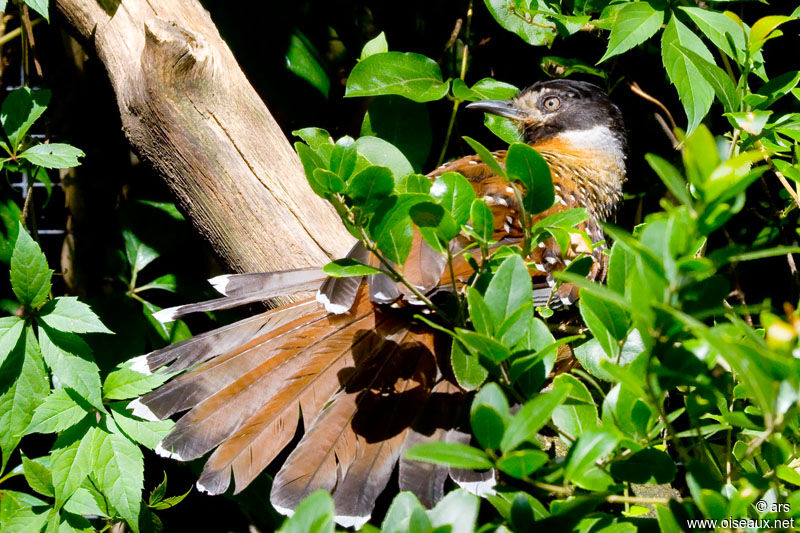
(502, 108)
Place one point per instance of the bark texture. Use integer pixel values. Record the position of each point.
(188, 110)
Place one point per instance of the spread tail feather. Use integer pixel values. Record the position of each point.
(243, 289)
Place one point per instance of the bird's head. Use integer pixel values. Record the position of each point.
(573, 110)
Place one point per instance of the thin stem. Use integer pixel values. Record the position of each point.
(727, 64)
(456, 103)
(765, 155)
(13, 34)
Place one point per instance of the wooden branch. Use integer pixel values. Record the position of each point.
(189, 111)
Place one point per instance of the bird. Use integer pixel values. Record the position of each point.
(363, 378)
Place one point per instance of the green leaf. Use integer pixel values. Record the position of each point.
(671, 178)
(562, 67)
(457, 512)
(403, 507)
(634, 24)
(314, 137)
(325, 182)
(608, 322)
(485, 89)
(522, 463)
(403, 123)
(720, 29)
(23, 386)
(167, 282)
(591, 355)
(483, 345)
(10, 330)
(391, 226)
(30, 277)
(486, 156)
(22, 513)
(578, 413)
(20, 110)
(370, 186)
(526, 165)
(482, 220)
(70, 360)
(479, 313)
(451, 454)
(777, 88)
(695, 92)
(413, 76)
(53, 155)
(379, 152)
(119, 473)
(531, 418)
(645, 466)
(752, 122)
(509, 289)
(376, 45)
(146, 432)
(38, 476)
(124, 383)
(40, 6)
(467, 368)
(764, 29)
(347, 268)
(716, 77)
(315, 514)
(539, 31)
(72, 460)
(139, 254)
(505, 128)
(455, 193)
(589, 448)
(302, 59)
(66, 313)
(58, 412)
(489, 415)
(87, 501)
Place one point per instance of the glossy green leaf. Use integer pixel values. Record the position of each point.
(671, 178)
(539, 31)
(608, 322)
(67, 313)
(489, 416)
(486, 156)
(483, 345)
(522, 463)
(370, 186)
(485, 89)
(53, 155)
(346, 268)
(720, 29)
(30, 275)
(716, 77)
(124, 383)
(634, 24)
(467, 367)
(765, 29)
(509, 289)
(578, 413)
(58, 412)
(590, 447)
(119, 473)
(451, 454)
(403, 123)
(19, 111)
(454, 193)
(695, 92)
(314, 137)
(457, 512)
(525, 165)
(531, 418)
(376, 45)
(481, 219)
(391, 226)
(413, 76)
(23, 386)
(380, 152)
(303, 60)
(72, 460)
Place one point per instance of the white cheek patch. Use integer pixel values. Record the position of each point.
(597, 138)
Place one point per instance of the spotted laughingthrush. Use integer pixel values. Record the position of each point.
(369, 381)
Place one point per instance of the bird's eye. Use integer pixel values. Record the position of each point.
(552, 103)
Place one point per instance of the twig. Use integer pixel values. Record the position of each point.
(777, 172)
(640, 92)
(453, 36)
(26, 23)
(664, 126)
(13, 34)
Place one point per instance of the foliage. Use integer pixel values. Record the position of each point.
(677, 388)
(50, 383)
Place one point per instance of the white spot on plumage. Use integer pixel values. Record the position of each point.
(142, 411)
(140, 365)
(220, 283)
(160, 450)
(166, 315)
